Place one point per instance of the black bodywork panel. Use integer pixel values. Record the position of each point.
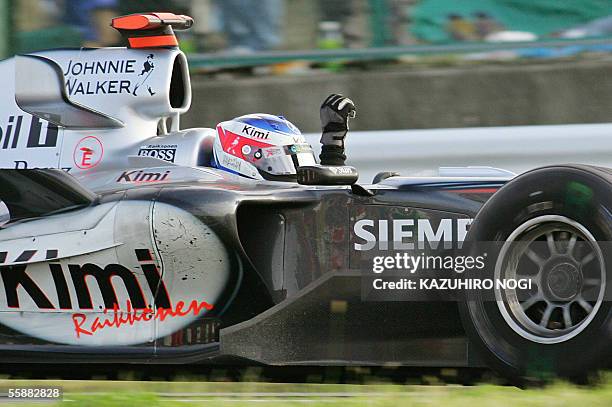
(298, 300)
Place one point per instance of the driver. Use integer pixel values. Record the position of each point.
(264, 146)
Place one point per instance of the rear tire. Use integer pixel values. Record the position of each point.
(554, 331)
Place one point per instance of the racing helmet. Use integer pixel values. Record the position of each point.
(261, 146)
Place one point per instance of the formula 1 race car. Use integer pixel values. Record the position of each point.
(119, 242)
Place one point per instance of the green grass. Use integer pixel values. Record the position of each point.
(151, 394)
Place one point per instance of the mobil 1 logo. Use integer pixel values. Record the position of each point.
(19, 131)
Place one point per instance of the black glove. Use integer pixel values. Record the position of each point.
(336, 111)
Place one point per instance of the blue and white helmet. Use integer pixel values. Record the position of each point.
(261, 146)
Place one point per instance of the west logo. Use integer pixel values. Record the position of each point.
(253, 132)
(10, 134)
(142, 176)
(15, 277)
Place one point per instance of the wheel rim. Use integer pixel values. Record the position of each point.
(555, 310)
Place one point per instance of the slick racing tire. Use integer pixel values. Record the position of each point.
(553, 224)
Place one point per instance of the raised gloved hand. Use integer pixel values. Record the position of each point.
(335, 112)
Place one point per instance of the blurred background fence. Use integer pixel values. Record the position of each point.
(408, 64)
(239, 27)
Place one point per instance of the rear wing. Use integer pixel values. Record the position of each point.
(151, 30)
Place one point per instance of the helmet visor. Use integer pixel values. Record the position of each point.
(281, 160)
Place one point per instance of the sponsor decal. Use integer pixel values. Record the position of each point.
(341, 170)
(88, 152)
(10, 133)
(115, 318)
(404, 234)
(147, 69)
(27, 255)
(141, 176)
(76, 292)
(108, 87)
(17, 282)
(76, 68)
(255, 132)
(231, 162)
(166, 152)
(86, 78)
(273, 151)
(24, 165)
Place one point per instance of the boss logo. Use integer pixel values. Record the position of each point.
(166, 153)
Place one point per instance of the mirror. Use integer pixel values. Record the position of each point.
(41, 91)
(5, 215)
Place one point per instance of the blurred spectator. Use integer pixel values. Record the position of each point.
(330, 35)
(172, 6)
(400, 21)
(336, 10)
(460, 29)
(32, 15)
(92, 18)
(339, 16)
(39, 26)
(251, 25)
(207, 31)
(486, 25)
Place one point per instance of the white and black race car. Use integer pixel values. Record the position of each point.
(119, 243)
